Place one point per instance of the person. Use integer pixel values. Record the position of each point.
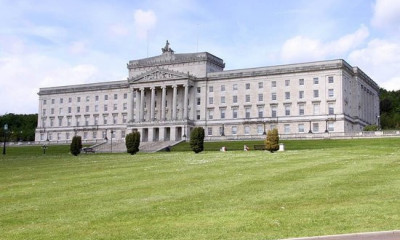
(245, 148)
(223, 149)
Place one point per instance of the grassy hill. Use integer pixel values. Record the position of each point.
(314, 188)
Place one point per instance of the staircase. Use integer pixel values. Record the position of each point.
(119, 146)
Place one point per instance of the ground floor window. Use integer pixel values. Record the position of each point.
(301, 128)
(234, 130)
(315, 127)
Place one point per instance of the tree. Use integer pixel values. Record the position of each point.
(272, 140)
(76, 145)
(197, 139)
(132, 142)
(371, 128)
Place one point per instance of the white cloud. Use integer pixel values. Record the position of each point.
(387, 15)
(144, 22)
(302, 48)
(77, 47)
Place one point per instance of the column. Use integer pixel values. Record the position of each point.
(152, 103)
(164, 88)
(141, 111)
(185, 102)
(174, 96)
(137, 110)
(130, 105)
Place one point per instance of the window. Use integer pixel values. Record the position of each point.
(222, 88)
(247, 86)
(87, 109)
(78, 109)
(260, 97)
(287, 110)
(211, 100)
(96, 108)
(115, 118)
(199, 90)
(70, 100)
(301, 81)
(44, 102)
(69, 109)
(235, 87)
(330, 79)
(222, 111)
(67, 136)
(287, 83)
(234, 100)
(69, 121)
(60, 110)
(52, 111)
(273, 111)
(125, 106)
(316, 80)
(94, 134)
(198, 101)
(331, 127)
(260, 85)
(222, 99)
(273, 84)
(316, 93)
(211, 89)
(287, 95)
(53, 101)
(198, 114)
(331, 108)
(78, 99)
(316, 108)
(61, 100)
(51, 122)
(77, 118)
(247, 110)
(273, 96)
(60, 121)
(210, 114)
(260, 112)
(315, 127)
(234, 130)
(248, 98)
(104, 119)
(125, 96)
(260, 129)
(43, 112)
(104, 134)
(105, 108)
(105, 97)
(330, 93)
(209, 131)
(115, 96)
(86, 121)
(234, 113)
(301, 109)
(96, 120)
(115, 107)
(287, 128)
(301, 94)
(301, 128)
(87, 98)
(124, 118)
(247, 130)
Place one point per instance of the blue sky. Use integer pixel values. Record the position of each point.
(56, 43)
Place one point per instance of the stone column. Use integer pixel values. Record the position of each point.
(164, 88)
(130, 105)
(137, 110)
(152, 103)
(174, 96)
(141, 111)
(185, 102)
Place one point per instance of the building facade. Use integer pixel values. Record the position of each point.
(166, 96)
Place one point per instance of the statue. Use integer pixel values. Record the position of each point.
(167, 48)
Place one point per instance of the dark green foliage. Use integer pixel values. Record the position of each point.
(371, 128)
(197, 139)
(272, 140)
(76, 145)
(390, 109)
(21, 127)
(132, 142)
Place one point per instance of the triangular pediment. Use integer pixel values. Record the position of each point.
(159, 74)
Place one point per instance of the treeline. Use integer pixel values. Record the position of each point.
(21, 127)
(390, 109)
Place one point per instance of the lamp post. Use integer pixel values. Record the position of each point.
(184, 132)
(326, 126)
(264, 133)
(111, 139)
(4, 140)
(310, 128)
(223, 130)
(379, 122)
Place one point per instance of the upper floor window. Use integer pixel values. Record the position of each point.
(115, 96)
(211, 89)
(316, 93)
(330, 93)
(260, 85)
(330, 79)
(301, 81)
(287, 83)
(316, 80)
(247, 86)
(222, 88)
(234, 87)
(273, 84)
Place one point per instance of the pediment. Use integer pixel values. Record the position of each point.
(159, 74)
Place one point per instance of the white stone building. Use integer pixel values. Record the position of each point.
(166, 96)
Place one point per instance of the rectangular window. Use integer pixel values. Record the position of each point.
(316, 93)
(234, 113)
(124, 118)
(115, 107)
(94, 134)
(247, 130)
(260, 129)
(198, 114)
(235, 87)
(44, 102)
(125, 96)
(60, 122)
(287, 95)
(52, 111)
(222, 99)
(87, 98)
(301, 128)
(78, 109)
(78, 99)
(315, 127)
(301, 81)
(69, 122)
(287, 128)
(222, 111)
(96, 120)
(210, 114)
(115, 96)
(234, 100)
(60, 111)
(125, 106)
(247, 86)
(67, 136)
(301, 109)
(222, 88)
(87, 109)
(53, 101)
(331, 108)
(104, 119)
(198, 101)
(316, 80)
(199, 90)
(70, 100)
(44, 112)
(234, 130)
(86, 121)
(287, 110)
(316, 108)
(273, 96)
(115, 118)
(260, 112)
(69, 109)
(106, 97)
(260, 97)
(330, 79)
(210, 100)
(247, 110)
(260, 85)
(301, 94)
(105, 108)
(287, 83)
(273, 84)
(61, 100)
(331, 127)
(248, 98)
(209, 131)
(78, 119)
(330, 93)
(211, 89)
(273, 111)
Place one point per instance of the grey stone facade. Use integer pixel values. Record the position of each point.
(166, 96)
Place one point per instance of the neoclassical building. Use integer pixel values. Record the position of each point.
(165, 96)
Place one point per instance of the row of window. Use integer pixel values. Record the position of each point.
(87, 98)
(86, 135)
(87, 120)
(261, 97)
(287, 129)
(261, 84)
(260, 111)
(87, 109)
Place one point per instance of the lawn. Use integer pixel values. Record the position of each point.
(313, 188)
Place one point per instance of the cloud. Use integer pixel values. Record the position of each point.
(77, 47)
(387, 15)
(144, 22)
(302, 48)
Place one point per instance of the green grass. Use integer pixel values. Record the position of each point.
(316, 188)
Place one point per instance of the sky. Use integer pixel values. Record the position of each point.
(57, 43)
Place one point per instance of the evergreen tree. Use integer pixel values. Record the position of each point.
(132, 142)
(76, 145)
(197, 139)
(272, 140)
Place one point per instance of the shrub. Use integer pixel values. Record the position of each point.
(371, 128)
(197, 139)
(76, 145)
(132, 142)
(272, 140)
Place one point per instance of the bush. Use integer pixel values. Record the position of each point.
(76, 145)
(197, 139)
(132, 142)
(272, 140)
(371, 128)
